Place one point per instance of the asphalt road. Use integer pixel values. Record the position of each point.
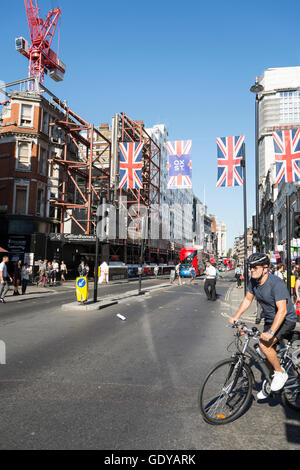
(88, 380)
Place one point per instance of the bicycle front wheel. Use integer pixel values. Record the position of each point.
(226, 392)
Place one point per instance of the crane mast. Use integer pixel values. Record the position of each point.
(40, 55)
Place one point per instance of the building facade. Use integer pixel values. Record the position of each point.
(279, 109)
(179, 201)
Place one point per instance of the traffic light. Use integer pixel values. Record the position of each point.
(255, 238)
(296, 225)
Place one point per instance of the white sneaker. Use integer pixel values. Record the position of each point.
(261, 395)
(279, 379)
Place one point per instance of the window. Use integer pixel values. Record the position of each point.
(40, 203)
(21, 199)
(23, 158)
(26, 115)
(45, 122)
(43, 161)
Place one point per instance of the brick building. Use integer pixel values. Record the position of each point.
(28, 177)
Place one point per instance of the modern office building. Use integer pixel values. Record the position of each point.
(221, 232)
(179, 201)
(279, 109)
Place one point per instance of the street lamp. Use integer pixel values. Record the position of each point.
(257, 88)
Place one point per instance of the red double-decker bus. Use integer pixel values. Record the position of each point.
(189, 256)
(229, 263)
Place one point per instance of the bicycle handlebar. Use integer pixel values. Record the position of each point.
(253, 332)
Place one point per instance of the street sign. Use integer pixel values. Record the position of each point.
(82, 289)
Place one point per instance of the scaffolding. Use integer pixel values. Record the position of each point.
(89, 172)
(138, 201)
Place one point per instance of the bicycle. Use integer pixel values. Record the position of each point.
(227, 389)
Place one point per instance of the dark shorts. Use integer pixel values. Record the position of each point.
(286, 327)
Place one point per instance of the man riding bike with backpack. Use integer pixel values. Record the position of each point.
(277, 310)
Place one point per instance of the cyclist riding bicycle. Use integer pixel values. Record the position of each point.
(277, 310)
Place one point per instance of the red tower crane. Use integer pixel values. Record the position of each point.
(41, 57)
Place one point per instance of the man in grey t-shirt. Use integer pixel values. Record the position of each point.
(277, 310)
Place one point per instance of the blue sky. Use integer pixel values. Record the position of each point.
(188, 64)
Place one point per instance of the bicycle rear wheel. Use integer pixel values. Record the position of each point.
(226, 392)
(291, 391)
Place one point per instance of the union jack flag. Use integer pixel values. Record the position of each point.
(131, 164)
(179, 164)
(230, 156)
(287, 155)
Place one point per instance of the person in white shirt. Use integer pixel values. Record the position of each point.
(279, 271)
(210, 281)
(3, 279)
(63, 271)
(177, 269)
(26, 270)
(55, 271)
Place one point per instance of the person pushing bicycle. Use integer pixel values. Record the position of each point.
(277, 310)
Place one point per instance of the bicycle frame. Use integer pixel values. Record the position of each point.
(259, 361)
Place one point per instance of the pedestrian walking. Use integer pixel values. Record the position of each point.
(63, 271)
(210, 281)
(82, 269)
(87, 269)
(49, 273)
(279, 271)
(177, 269)
(25, 272)
(4, 276)
(193, 275)
(55, 271)
(238, 275)
(17, 276)
(156, 269)
(42, 273)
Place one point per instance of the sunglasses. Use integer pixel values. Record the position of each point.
(256, 267)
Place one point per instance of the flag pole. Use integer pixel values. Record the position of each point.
(243, 163)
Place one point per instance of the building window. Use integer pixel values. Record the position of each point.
(23, 157)
(45, 123)
(43, 161)
(21, 199)
(26, 115)
(40, 203)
